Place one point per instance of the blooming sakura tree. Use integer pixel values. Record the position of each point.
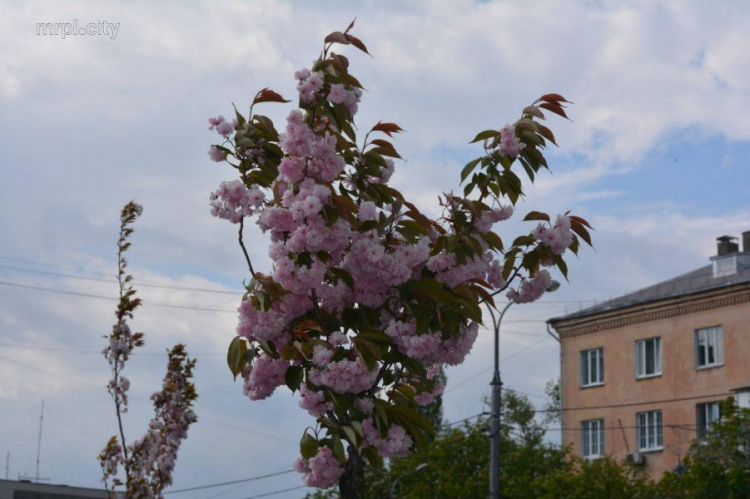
(368, 298)
(149, 461)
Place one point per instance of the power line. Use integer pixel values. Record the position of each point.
(276, 492)
(168, 286)
(99, 388)
(629, 404)
(109, 298)
(483, 371)
(136, 281)
(243, 480)
(99, 352)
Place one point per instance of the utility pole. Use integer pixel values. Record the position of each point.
(7, 464)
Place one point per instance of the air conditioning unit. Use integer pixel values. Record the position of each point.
(635, 458)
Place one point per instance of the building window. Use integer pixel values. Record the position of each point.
(709, 348)
(708, 414)
(648, 425)
(648, 357)
(592, 367)
(592, 438)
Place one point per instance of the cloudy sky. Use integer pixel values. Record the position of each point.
(654, 157)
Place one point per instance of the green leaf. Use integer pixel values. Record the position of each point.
(486, 134)
(350, 435)
(236, 355)
(493, 240)
(293, 377)
(308, 446)
(469, 168)
(536, 215)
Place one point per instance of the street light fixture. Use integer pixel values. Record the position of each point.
(496, 386)
(392, 494)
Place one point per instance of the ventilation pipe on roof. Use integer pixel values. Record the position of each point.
(726, 246)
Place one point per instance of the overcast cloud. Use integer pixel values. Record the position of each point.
(654, 157)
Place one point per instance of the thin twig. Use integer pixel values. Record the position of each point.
(244, 250)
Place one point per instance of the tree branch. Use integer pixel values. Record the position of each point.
(244, 250)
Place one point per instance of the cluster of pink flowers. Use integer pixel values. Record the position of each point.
(314, 402)
(233, 201)
(397, 443)
(489, 218)
(558, 238)
(510, 145)
(432, 348)
(265, 375)
(309, 84)
(322, 471)
(339, 94)
(222, 126)
(531, 289)
(120, 345)
(153, 457)
(345, 376)
(426, 398)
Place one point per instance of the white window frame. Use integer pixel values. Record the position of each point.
(706, 415)
(649, 433)
(588, 359)
(641, 363)
(592, 439)
(709, 342)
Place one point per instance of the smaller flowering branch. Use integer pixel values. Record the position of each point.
(148, 462)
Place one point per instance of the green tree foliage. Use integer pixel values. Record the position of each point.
(717, 465)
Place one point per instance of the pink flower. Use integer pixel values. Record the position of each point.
(510, 145)
(338, 94)
(214, 122)
(324, 469)
(215, 154)
(368, 211)
(225, 128)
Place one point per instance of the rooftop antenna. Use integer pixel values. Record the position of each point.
(39, 441)
(36, 477)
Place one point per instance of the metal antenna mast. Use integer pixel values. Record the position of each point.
(39, 442)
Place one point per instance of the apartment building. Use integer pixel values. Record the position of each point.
(24, 489)
(642, 375)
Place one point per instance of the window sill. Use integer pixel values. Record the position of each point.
(592, 385)
(709, 366)
(593, 458)
(651, 449)
(649, 376)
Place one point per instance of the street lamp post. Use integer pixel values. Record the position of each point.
(392, 494)
(496, 384)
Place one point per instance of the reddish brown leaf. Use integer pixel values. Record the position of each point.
(387, 128)
(553, 98)
(351, 25)
(555, 108)
(382, 143)
(268, 95)
(546, 133)
(337, 37)
(533, 111)
(357, 43)
(581, 221)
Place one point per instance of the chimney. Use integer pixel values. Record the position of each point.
(746, 241)
(725, 246)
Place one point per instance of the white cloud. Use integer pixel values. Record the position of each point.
(90, 123)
